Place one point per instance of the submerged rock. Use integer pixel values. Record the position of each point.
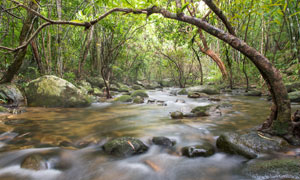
(125, 146)
(283, 168)
(163, 141)
(140, 93)
(203, 150)
(176, 115)
(124, 98)
(294, 96)
(250, 144)
(51, 91)
(34, 162)
(10, 94)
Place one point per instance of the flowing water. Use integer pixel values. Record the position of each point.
(51, 131)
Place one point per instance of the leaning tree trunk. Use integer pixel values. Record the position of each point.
(280, 119)
(20, 54)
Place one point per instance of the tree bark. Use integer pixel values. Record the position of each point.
(20, 54)
(37, 56)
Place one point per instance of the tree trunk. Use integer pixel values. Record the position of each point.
(37, 56)
(20, 54)
(200, 64)
(281, 115)
(59, 50)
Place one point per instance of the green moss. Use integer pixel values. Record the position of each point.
(280, 128)
(140, 93)
(285, 167)
(124, 98)
(3, 109)
(183, 92)
(201, 110)
(138, 100)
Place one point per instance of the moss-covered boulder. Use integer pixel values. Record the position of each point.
(253, 93)
(152, 85)
(210, 90)
(97, 91)
(183, 92)
(140, 93)
(176, 115)
(201, 110)
(138, 100)
(294, 96)
(163, 141)
(167, 82)
(9, 93)
(123, 87)
(125, 146)
(283, 168)
(96, 81)
(203, 150)
(137, 87)
(114, 87)
(34, 162)
(123, 98)
(85, 86)
(51, 91)
(250, 144)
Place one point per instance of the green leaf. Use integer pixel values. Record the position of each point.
(127, 2)
(184, 7)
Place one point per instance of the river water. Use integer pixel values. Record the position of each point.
(51, 131)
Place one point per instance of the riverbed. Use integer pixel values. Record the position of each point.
(73, 138)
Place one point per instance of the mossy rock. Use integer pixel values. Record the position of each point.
(283, 168)
(197, 95)
(202, 150)
(124, 99)
(294, 96)
(210, 90)
(125, 146)
(51, 91)
(163, 141)
(34, 162)
(253, 93)
(3, 110)
(97, 92)
(291, 87)
(183, 92)
(250, 144)
(114, 87)
(176, 115)
(96, 81)
(201, 110)
(123, 87)
(85, 85)
(137, 87)
(11, 94)
(141, 93)
(138, 100)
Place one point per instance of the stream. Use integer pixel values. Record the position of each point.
(51, 131)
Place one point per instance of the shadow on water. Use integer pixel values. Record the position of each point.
(51, 131)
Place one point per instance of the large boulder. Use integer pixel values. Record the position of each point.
(51, 91)
(10, 94)
(202, 150)
(294, 96)
(125, 146)
(282, 168)
(250, 144)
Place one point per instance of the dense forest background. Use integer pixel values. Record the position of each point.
(129, 47)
